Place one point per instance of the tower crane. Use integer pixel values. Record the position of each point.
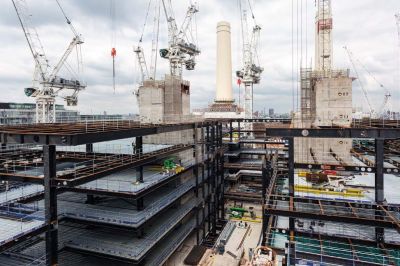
(250, 73)
(47, 85)
(384, 110)
(145, 73)
(182, 48)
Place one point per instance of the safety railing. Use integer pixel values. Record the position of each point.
(20, 192)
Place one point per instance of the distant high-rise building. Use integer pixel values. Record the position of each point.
(24, 113)
(271, 112)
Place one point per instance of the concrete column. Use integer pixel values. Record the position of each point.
(224, 91)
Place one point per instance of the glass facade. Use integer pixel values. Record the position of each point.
(24, 113)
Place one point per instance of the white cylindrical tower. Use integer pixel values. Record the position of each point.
(224, 93)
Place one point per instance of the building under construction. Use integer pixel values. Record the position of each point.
(172, 188)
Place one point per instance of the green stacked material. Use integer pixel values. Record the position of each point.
(395, 256)
(339, 250)
(336, 249)
(371, 254)
(308, 245)
(278, 240)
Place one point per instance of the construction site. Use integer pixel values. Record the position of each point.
(217, 185)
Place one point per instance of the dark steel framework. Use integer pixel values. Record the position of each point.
(207, 151)
(379, 214)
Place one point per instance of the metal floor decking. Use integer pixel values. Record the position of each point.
(122, 245)
(118, 211)
(124, 181)
(21, 192)
(13, 228)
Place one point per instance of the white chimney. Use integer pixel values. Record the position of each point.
(224, 93)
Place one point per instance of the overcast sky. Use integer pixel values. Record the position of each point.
(367, 27)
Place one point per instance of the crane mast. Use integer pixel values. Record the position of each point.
(250, 73)
(323, 35)
(46, 87)
(142, 63)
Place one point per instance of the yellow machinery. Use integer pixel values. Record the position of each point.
(347, 192)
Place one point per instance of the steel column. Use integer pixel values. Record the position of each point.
(379, 186)
(379, 154)
(139, 150)
(230, 131)
(140, 204)
(266, 217)
(239, 133)
(50, 203)
(291, 166)
(89, 147)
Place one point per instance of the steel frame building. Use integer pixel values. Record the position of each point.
(158, 225)
(281, 203)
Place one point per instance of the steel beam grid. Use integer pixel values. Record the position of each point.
(93, 166)
(83, 132)
(330, 211)
(351, 168)
(101, 164)
(354, 133)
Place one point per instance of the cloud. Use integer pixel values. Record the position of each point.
(366, 27)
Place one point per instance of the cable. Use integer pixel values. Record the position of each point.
(251, 10)
(297, 55)
(67, 19)
(145, 22)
